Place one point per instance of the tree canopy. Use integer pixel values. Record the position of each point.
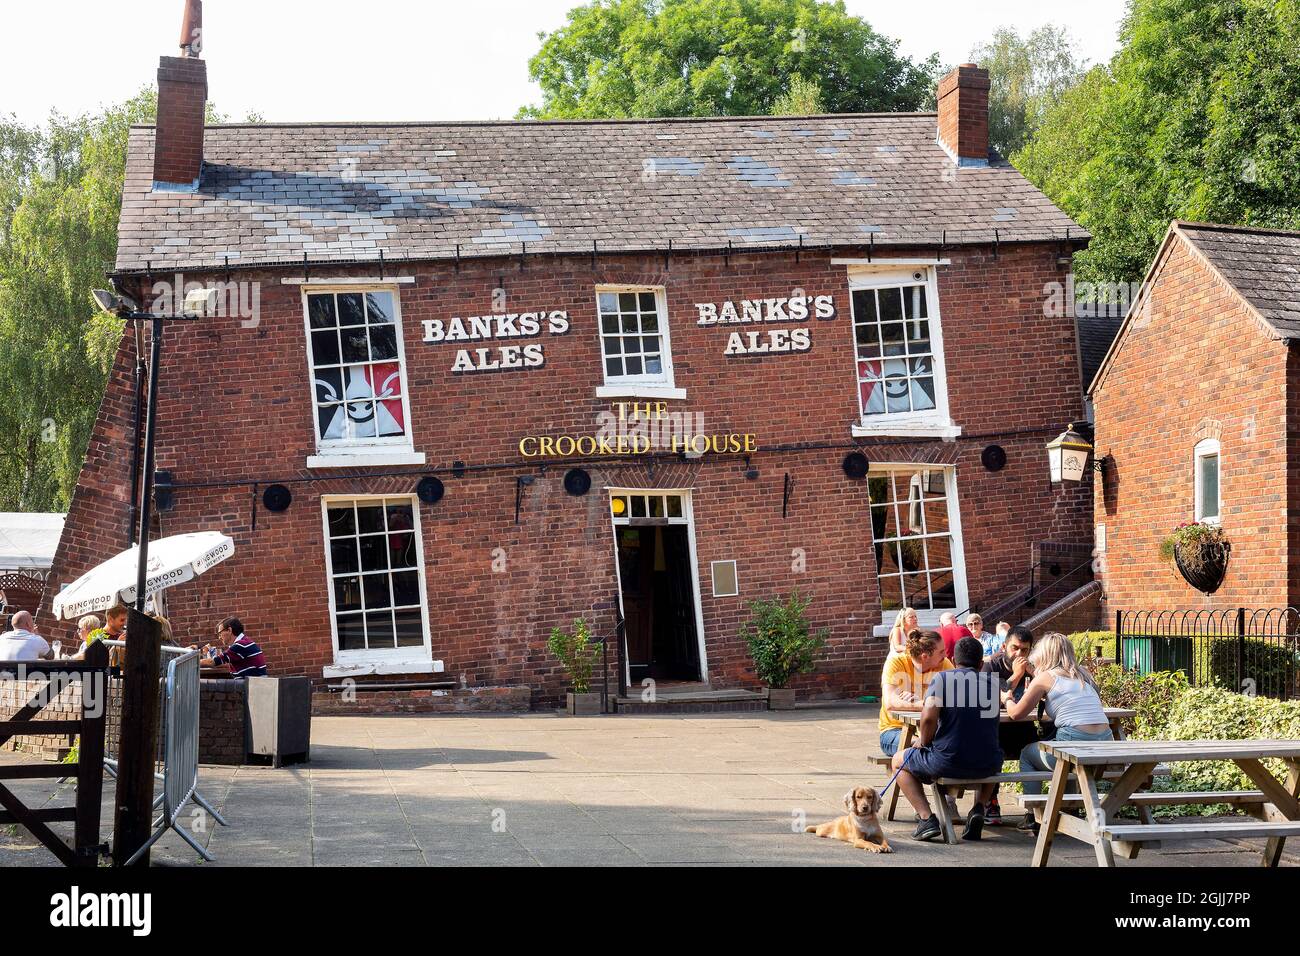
(1027, 77)
(60, 197)
(1196, 117)
(642, 58)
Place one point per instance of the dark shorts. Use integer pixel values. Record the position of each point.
(927, 767)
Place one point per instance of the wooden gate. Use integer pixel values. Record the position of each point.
(92, 677)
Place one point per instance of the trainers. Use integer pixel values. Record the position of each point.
(927, 829)
(1028, 824)
(993, 816)
(974, 824)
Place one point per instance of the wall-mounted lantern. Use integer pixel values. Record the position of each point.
(1067, 455)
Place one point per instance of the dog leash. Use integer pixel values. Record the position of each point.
(906, 757)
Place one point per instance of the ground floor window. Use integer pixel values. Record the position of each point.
(915, 529)
(376, 574)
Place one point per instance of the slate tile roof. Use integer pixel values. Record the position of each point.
(1263, 265)
(345, 192)
(1096, 333)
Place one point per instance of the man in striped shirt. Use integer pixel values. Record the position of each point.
(241, 654)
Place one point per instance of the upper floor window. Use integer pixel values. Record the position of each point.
(634, 346)
(358, 375)
(1206, 457)
(899, 353)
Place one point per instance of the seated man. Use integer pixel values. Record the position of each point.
(241, 654)
(22, 643)
(1014, 671)
(958, 737)
(903, 683)
(951, 631)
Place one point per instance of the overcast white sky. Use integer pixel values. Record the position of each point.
(305, 60)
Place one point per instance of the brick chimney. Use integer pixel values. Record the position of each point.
(182, 99)
(964, 115)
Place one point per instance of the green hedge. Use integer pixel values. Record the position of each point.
(1085, 644)
(1212, 713)
(1271, 666)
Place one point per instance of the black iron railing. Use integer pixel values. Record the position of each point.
(1251, 650)
(619, 634)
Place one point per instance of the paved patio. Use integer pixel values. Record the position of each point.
(544, 789)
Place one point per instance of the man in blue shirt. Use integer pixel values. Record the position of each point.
(957, 737)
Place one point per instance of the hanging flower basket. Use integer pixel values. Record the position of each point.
(1200, 552)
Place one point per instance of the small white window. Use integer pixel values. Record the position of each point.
(354, 348)
(725, 583)
(634, 347)
(1206, 458)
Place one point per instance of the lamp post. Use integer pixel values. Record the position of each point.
(133, 799)
(1067, 455)
(196, 305)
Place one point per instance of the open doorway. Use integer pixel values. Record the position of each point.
(657, 587)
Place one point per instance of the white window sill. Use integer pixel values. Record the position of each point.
(640, 391)
(365, 458)
(393, 666)
(922, 621)
(914, 429)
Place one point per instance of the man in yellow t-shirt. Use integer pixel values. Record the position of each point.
(904, 680)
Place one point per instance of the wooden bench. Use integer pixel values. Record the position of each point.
(1275, 805)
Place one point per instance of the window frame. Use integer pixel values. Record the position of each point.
(1206, 448)
(926, 617)
(394, 656)
(380, 444)
(639, 386)
(936, 422)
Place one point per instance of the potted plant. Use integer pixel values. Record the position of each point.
(1200, 552)
(782, 645)
(576, 651)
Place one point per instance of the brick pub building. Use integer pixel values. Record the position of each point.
(703, 317)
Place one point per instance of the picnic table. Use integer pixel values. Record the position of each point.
(945, 789)
(1274, 807)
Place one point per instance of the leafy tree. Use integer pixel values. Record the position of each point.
(803, 98)
(1026, 78)
(635, 58)
(60, 196)
(1196, 117)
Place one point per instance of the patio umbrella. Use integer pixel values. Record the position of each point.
(173, 560)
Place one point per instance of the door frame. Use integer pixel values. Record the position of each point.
(687, 519)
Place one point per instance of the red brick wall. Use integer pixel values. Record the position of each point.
(1196, 364)
(236, 406)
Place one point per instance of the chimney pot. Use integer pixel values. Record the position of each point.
(963, 97)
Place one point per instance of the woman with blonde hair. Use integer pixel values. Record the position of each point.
(1071, 699)
(904, 624)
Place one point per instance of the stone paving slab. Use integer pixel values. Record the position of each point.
(548, 790)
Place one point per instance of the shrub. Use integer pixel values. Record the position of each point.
(576, 652)
(1271, 667)
(1213, 713)
(780, 639)
(1151, 695)
(1085, 644)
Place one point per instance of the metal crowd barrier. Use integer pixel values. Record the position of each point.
(176, 765)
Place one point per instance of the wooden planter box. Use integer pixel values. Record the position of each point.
(780, 698)
(583, 705)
